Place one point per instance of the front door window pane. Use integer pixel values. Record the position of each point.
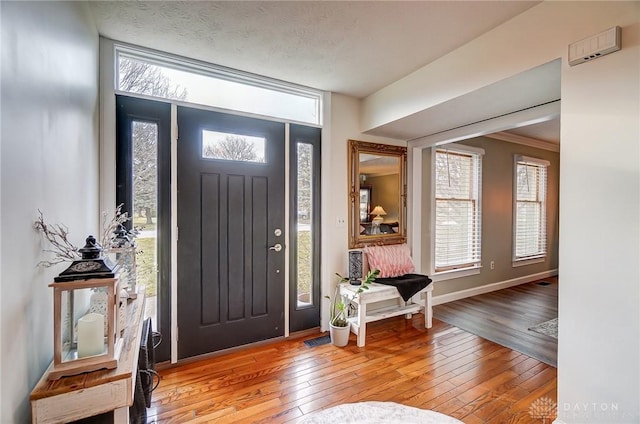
(227, 146)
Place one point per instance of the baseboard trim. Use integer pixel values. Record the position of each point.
(462, 294)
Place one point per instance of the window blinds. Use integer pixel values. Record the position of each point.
(457, 209)
(530, 220)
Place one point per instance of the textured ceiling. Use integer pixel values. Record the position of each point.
(354, 48)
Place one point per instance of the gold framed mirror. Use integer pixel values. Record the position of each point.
(377, 194)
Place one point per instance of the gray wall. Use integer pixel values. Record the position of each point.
(497, 215)
(48, 161)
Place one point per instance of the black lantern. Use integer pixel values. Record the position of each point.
(92, 265)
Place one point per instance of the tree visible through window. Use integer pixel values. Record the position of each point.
(304, 234)
(158, 76)
(217, 145)
(145, 169)
(144, 78)
(457, 209)
(530, 222)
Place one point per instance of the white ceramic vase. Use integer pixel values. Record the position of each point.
(339, 335)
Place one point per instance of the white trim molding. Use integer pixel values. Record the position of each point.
(174, 234)
(534, 115)
(455, 273)
(529, 261)
(525, 141)
(463, 294)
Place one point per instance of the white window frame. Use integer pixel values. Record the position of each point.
(475, 265)
(217, 72)
(541, 195)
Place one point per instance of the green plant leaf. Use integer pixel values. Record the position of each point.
(338, 306)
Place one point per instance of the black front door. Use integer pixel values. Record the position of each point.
(231, 246)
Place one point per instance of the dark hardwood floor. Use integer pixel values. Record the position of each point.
(444, 369)
(505, 316)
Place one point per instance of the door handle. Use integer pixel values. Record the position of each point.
(277, 247)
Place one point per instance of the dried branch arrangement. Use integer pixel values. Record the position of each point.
(111, 227)
(58, 236)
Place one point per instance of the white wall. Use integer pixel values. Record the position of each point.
(599, 300)
(535, 37)
(49, 161)
(599, 350)
(341, 124)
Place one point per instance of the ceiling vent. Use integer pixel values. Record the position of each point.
(595, 46)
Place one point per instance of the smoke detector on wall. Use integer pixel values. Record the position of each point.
(595, 46)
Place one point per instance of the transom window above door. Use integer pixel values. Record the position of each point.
(162, 75)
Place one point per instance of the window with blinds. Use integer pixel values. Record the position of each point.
(530, 198)
(457, 176)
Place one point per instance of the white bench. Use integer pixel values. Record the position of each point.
(373, 305)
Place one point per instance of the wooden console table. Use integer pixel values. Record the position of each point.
(88, 394)
(373, 306)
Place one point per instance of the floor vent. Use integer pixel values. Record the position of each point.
(318, 341)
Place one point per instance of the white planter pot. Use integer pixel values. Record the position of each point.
(339, 335)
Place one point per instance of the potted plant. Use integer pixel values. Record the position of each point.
(339, 327)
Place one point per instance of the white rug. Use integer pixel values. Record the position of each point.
(548, 328)
(377, 413)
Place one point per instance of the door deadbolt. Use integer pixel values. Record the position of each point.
(277, 232)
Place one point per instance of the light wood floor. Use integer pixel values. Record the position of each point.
(505, 316)
(444, 369)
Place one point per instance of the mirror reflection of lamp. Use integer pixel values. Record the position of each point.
(378, 211)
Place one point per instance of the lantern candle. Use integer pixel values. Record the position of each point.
(90, 335)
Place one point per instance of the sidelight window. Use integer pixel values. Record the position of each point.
(304, 235)
(142, 187)
(304, 255)
(144, 137)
